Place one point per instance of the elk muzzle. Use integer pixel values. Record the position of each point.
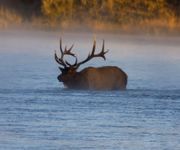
(60, 78)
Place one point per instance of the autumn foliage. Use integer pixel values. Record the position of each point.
(97, 14)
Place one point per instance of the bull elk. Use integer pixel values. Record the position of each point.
(90, 78)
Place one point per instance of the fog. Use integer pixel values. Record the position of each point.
(150, 61)
(37, 113)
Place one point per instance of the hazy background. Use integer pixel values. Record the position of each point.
(143, 40)
(150, 62)
(139, 16)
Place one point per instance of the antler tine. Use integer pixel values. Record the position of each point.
(63, 53)
(61, 50)
(94, 47)
(58, 60)
(70, 48)
(100, 54)
(65, 50)
(55, 56)
(103, 52)
(68, 51)
(103, 46)
(92, 54)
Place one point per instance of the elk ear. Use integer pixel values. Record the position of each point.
(61, 69)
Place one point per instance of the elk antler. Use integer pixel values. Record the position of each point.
(92, 54)
(63, 53)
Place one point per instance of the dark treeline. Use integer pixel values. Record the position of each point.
(33, 7)
(101, 12)
(174, 6)
(26, 8)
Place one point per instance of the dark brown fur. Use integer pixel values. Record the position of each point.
(102, 78)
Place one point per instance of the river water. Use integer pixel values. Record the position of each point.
(36, 112)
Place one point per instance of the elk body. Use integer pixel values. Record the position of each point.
(90, 78)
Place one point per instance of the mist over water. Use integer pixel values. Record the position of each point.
(150, 62)
(38, 113)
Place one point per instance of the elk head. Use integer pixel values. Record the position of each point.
(68, 70)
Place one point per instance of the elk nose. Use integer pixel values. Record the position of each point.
(59, 78)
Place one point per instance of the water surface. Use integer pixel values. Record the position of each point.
(38, 113)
